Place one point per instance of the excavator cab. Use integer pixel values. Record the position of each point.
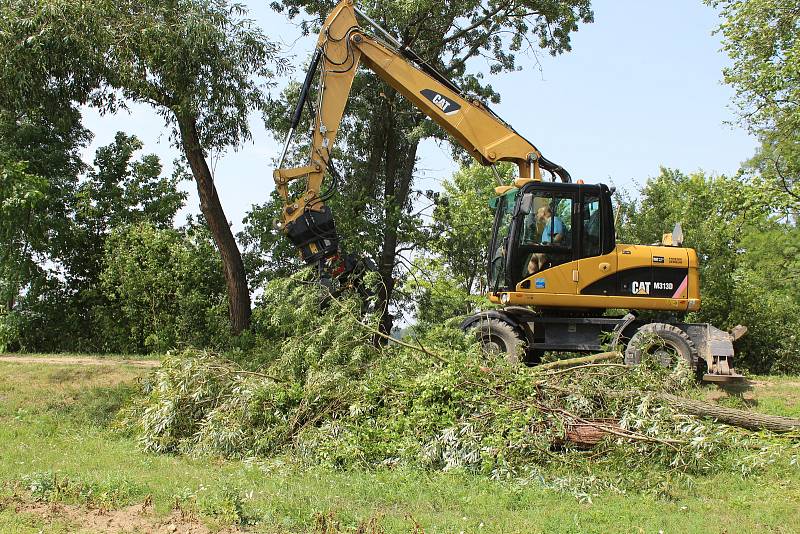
(542, 225)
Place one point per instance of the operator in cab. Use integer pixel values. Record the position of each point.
(552, 233)
(553, 226)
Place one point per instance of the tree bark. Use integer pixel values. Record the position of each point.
(731, 416)
(399, 156)
(232, 264)
(398, 185)
(586, 435)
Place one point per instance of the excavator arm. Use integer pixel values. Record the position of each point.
(341, 47)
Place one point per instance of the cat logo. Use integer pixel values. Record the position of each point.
(640, 288)
(442, 102)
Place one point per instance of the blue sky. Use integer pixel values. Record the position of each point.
(640, 89)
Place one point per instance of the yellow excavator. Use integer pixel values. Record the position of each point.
(554, 267)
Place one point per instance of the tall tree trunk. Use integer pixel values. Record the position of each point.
(401, 157)
(389, 242)
(210, 206)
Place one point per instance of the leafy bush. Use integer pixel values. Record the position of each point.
(10, 326)
(438, 295)
(773, 321)
(53, 321)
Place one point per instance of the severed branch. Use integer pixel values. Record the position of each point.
(594, 358)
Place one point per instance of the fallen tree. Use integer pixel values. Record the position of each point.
(731, 416)
(316, 388)
(570, 362)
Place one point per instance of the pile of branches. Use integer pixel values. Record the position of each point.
(318, 389)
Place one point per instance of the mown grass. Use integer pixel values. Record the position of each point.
(775, 395)
(56, 446)
(99, 356)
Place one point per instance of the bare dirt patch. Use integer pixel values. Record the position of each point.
(77, 360)
(135, 518)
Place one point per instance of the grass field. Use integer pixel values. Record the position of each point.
(62, 469)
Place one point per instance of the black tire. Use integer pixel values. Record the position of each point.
(664, 341)
(498, 337)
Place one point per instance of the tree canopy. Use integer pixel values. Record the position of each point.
(201, 64)
(762, 38)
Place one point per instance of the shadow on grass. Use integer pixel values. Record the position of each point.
(97, 406)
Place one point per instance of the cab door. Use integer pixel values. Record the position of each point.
(597, 265)
(544, 249)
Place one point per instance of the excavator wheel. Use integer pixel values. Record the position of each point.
(663, 341)
(498, 337)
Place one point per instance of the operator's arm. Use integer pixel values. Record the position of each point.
(558, 230)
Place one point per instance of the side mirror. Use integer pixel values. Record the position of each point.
(526, 204)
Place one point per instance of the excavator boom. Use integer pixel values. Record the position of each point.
(341, 47)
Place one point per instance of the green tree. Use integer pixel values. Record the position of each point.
(450, 279)
(40, 155)
(766, 297)
(267, 253)
(762, 37)
(166, 286)
(119, 191)
(200, 63)
(51, 276)
(462, 223)
(381, 131)
(20, 195)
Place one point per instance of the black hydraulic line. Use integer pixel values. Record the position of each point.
(548, 165)
(312, 70)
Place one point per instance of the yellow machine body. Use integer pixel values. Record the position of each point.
(567, 285)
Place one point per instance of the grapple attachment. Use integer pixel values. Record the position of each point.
(314, 235)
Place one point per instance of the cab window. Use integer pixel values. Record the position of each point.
(504, 216)
(549, 223)
(592, 227)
